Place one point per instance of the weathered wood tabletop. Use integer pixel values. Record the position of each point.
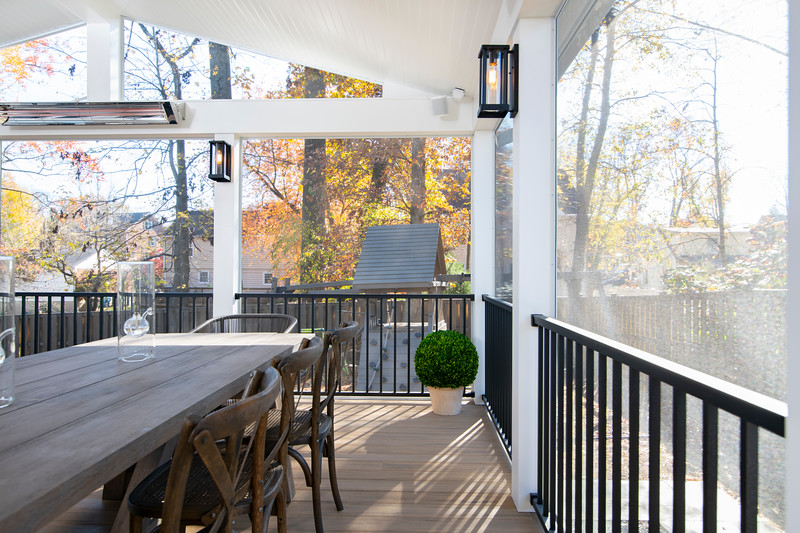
(81, 416)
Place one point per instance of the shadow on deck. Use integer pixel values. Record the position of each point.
(401, 468)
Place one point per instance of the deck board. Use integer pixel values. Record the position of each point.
(401, 468)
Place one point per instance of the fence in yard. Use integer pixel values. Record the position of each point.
(739, 336)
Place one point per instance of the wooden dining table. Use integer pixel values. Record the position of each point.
(80, 416)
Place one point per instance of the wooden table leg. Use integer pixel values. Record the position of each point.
(143, 467)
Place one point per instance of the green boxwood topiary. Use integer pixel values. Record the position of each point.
(446, 360)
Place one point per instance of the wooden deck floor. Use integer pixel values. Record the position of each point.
(401, 468)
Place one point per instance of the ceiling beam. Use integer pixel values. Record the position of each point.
(289, 118)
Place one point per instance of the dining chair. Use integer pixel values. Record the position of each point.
(216, 476)
(248, 323)
(294, 369)
(314, 427)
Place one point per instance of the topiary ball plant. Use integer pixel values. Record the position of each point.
(447, 360)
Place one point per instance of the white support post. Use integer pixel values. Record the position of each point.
(533, 239)
(792, 440)
(482, 239)
(104, 60)
(228, 234)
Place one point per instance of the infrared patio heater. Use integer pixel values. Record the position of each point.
(498, 87)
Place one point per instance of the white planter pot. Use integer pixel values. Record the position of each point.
(446, 401)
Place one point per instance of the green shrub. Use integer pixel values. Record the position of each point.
(446, 360)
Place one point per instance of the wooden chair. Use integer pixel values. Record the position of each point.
(250, 323)
(216, 476)
(292, 368)
(314, 428)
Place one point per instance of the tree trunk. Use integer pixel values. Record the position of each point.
(315, 197)
(182, 239)
(587, 170)
(719, 181)
(417, 205)
(220, 71)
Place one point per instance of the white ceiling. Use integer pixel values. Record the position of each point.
(425, 45)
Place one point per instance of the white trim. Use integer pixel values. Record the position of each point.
(792, 440)
(228, 221)
(285, 118)
(482, 215)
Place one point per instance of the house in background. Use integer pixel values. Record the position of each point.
(259, 273)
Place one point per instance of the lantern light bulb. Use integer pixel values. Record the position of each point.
(493, 74)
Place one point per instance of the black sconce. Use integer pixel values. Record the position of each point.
(220, 161)
(498, 90)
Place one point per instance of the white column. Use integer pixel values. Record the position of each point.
(228, 234)
(792, 440)
(482, 248)
(104, 60)
(533, 239)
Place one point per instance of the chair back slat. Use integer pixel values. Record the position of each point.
(248, 323)
(225, 462)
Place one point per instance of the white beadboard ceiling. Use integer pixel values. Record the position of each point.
(426, 45)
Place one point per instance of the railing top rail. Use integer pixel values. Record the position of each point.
(499, 303)
(79, 294)
(753, 407)
(346, 296)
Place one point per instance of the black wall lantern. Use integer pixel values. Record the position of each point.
(220, 160)
(498, 90)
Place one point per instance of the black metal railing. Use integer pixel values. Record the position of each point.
(498, 337)
(646, 393)
(51, 320)
(382, 360)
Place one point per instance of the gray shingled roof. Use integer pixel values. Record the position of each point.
(401, 257)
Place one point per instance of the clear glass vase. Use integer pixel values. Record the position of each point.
(136, 297)
(8, 346)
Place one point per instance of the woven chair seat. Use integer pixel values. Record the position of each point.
(301, 426)
(202, 494)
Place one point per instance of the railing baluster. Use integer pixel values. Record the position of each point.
(35, 324)
(578, 436)
(560, 368)
(546, 498)
(553, 428)
(570, 431)
(62, 325)
(616, 447)
(633, 452)
(394, 337)
(589, 441)
(710, 466)
(50, 322)
(23, 341)
(654, 458)
(749, 476)
(75, 320)
(602, 459)
(679, 461)
(408, 346)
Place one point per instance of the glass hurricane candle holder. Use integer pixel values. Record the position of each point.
(8, 347)
(136, 297)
